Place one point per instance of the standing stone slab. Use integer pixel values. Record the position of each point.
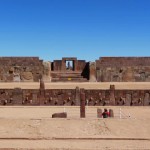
(82, 104)
(128, 99)
(42, 92)
(77, 96)
(99, 113)
(92, 69)
(147, 99)
(111, 113)
(17, 96)
(112, 94)
(47, 71)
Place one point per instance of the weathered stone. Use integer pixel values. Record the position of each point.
(69, 69)
(27, 76)
(111, 113)
(92, 73)
(59, 115)
(16, 77)
(77, 96)
(17, 96)
(128, 99)
(123, 69)
(47, 71)
(121, 101)
(147, 99)
(82, 104)
(112, 94)
(99, 113)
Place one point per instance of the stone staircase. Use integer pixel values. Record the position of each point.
(69, 76)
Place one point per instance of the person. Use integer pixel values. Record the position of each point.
(105, 114)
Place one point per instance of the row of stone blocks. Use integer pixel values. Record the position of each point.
(82, 105)
(20, 61)
(123, 61)
(67, 76)
(82, 114)
(69, 79)
(82, 109)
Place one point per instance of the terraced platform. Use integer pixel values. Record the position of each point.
(67, 77)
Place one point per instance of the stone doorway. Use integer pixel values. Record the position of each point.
(69, 65)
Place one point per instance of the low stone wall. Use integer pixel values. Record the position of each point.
(71, 97)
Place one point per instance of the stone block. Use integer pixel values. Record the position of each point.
(99, 113)
(59, 115)
(92, 74)
(111, 113)
(82, 104)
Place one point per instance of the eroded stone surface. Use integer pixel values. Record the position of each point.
(69, 69)
(123, 69)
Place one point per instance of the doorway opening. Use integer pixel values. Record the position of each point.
(70, 65)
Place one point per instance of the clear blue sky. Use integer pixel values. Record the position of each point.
(87, 29)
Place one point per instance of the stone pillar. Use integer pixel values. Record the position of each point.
(92, 72)
(77, 96)
(99, 113)
(75, 63)
(112, 95)
(42, 92)
(63, 65)
(82, 104)
(111, 113)
(146, 99)
(47, 71)
(42, 85)
(128, 99)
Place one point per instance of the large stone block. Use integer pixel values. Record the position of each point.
(92, 73)
(82, 104)
(59, 115)
(99, 113)
(47, 71)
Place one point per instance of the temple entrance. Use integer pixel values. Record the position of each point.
(69, 69)
(70, 65)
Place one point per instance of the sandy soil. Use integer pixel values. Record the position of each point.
(33, 128)
(86, 85)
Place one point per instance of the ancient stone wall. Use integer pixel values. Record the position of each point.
(71, 97)
(119, 98)
(20, 69)
(69, 69)
(106, 69)
(57, 65)
(81, 65)
(60, 65)
(123, 69)
(92, 72)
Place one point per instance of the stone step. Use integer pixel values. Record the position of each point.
(65, 72)
(69, 80)
(66, 76)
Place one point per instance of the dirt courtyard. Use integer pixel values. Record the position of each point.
(32, 128)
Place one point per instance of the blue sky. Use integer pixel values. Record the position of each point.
(87, 29)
